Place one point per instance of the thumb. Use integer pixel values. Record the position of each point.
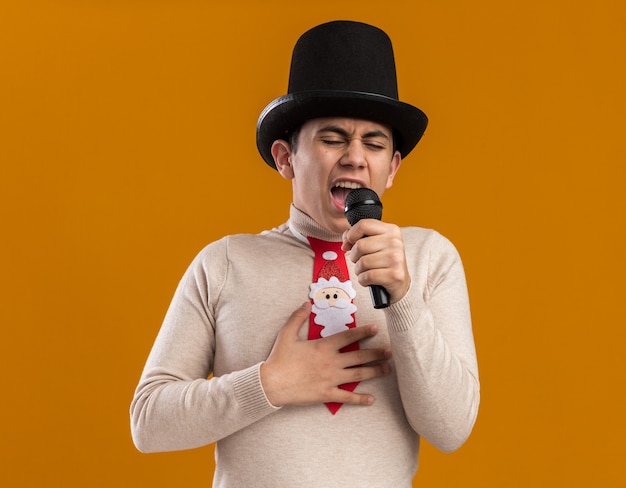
(296, 320)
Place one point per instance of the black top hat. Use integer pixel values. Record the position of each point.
(341, 69)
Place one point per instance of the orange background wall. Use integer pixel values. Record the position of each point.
(127, 144)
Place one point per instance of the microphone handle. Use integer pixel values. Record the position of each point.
(380, 296)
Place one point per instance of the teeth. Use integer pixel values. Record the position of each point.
(348, 184)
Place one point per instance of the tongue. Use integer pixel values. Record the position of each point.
(340, 194)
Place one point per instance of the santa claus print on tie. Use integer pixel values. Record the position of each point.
(332, 297)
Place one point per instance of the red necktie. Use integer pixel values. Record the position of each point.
(332, 297)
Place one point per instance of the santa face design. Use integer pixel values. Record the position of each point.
(333, 296)
(332, 305)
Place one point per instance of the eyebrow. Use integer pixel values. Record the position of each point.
(344, 133)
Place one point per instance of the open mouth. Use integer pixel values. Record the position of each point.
(340, 191)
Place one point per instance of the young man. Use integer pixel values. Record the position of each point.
(329, 392)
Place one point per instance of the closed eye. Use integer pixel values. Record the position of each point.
(375, 146)
(332, 142)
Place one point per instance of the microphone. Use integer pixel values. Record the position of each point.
(363, 203)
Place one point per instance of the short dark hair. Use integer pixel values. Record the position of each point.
(292, 138)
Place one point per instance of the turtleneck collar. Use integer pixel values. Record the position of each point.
(303, 226)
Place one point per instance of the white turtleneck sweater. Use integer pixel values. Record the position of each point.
(224, 317)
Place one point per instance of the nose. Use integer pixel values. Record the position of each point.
(354, 155)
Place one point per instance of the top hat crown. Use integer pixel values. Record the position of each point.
(341, 69)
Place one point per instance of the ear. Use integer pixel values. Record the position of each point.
(281, 152)
(394, 166)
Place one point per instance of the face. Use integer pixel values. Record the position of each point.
(332, 157)
(331, 295)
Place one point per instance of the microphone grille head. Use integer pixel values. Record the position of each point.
(363, 203)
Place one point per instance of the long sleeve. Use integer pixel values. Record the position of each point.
(175, 406)
(431, 338)
(222, 323)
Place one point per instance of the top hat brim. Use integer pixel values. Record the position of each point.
(289, 112)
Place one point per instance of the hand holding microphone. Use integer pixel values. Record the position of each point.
(363, 203)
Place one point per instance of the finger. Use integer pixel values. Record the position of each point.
(365, 246)
(374, 246)
(351, 398)
(346, 244)
(363, 228)
(364, 373)
(353, 234)
(342, 339)
(364, 357)
(297, 319)
(368, 262)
